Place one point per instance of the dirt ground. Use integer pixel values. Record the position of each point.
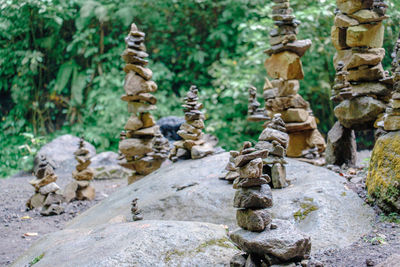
(18, 232)
(19, 228)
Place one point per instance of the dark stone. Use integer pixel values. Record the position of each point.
(341, 146)
(238, 260)
(253, 197)
(169, 127)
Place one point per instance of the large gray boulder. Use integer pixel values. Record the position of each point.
(106, 166)
(317, 201)
(144, 243)
(60, 152)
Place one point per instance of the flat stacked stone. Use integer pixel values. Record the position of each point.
(137, 140)
(255, 113)
(358, 38)
(193, 145)
(47, 195)
(263, 240)
(281, 94)
(81, 189)
(275, 140)
(136, 216)
(392, 114)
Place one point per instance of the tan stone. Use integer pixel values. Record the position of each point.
(87, 193)
(369, 35)
(147, 165)
(283, 103)
(317, 140)
(343, 21)
(138, 107)
(197, 123)
(286, 88)
(189, 128)
(146, 97)
(188, 144)
(373, 57)
(395, 103)
(189, 136)
(145, 73)
(298, 142)
(252, 170)
(85, 175)
(36, 201)
(351, 6)
(367, 74)
(379, 89)
(134, 178)
(135, 147)
(149, 131)
(338, 37)
(294, 115)
(133, 123)
(47, 179)
(200, 151)
(69, 192)
(134, 84)
(285, 65)
(366, 16)
(309, 124)
(147, 119)
(392, 123)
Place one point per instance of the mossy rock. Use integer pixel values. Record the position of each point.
(383, 180)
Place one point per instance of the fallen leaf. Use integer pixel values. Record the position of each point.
(25, 218)
(31, 234)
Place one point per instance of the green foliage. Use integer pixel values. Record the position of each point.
(62, 71)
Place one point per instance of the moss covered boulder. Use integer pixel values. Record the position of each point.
(383, 181)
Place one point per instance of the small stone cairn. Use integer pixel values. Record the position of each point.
(47, 195)
(231, 171)
(281, 94)
(275, 140)
(255, 113)
(193, 145)
(263, 240)
(141, 132)
(392, 115)
(136, 216)
(362, 87)
(81, 189)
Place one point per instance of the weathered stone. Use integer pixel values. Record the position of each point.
(135, 147)
(144, 97)
(253, 220)
(269, 134)
(392, 123)
(36, 201)
(393, 260)
(249, 182)
(86, 174)
(369, 88)
(52, 210)
(252, 170)
(200, 151)
(138, 107)
(242, 160)
(367, 16)
(384, 172)
(146, 165)
(359, 112)
(286, 88)
(147, 119)
(49, 188)
(351, 6)
(134, 84)
(189, 136)
(369, 35)
(149, 131)
(285, 242)
(238, 260)
(372, 57)
(342, 147)
(278, 176)
(338, 37)
(70, 191)
(133, 123)
(54, 198)
(294, 115)
(47, 179)
(343, 21)
(261, 145)
(285, 65)
(309, 124)
(283, 103)
(366, 74)
(87, 193)
(253, 198)
(145, 73)
(299, 47)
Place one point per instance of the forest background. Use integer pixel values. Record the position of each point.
(61, 70)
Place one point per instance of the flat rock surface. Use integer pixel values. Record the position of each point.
(144, 243)
(317, 201)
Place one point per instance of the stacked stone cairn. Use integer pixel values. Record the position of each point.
(392, 115)
(231, 171)
(255, 113)
(47, 195)
(81, 189)
(193, 145)
(275, 140)
(136, 216)
(281, 94)
(362, 87)
(264, 241)
(141, 132)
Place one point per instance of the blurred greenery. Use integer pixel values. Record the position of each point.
(61, 70)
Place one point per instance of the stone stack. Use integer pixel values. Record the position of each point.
(255, 113)
(136, 216)
(264, 241)
(358, 37)
(193, 144)
(140, 130)
(392, 115)
(81, 189)
(281, 94)
(232, 172)
(47, 195)
(275, 140)
(362, 87)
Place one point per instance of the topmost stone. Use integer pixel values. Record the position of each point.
(352, 6)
